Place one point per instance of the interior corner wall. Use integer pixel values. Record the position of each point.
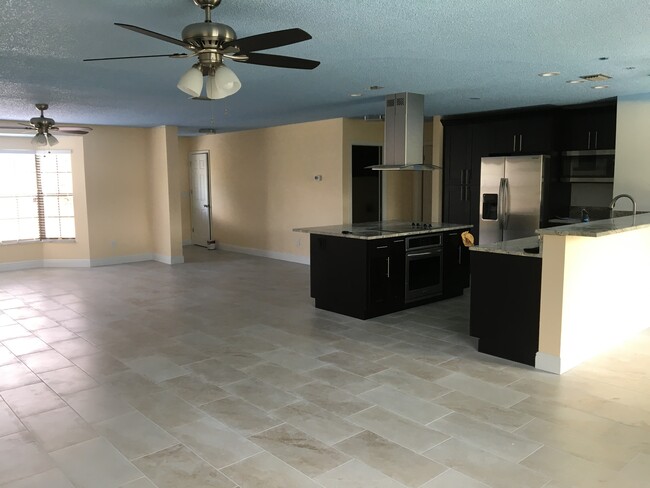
(263, 185)
(632, 167)
(184, 144)
(117, 191)
(164, 195)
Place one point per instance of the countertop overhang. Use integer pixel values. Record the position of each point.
(381, 230)
(515, 247)
(600, 228)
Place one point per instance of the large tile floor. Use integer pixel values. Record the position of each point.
(221, 373)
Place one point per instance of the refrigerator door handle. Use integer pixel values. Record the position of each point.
(500, 202)
(506, 203)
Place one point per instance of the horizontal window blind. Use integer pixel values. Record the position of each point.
(36, 196)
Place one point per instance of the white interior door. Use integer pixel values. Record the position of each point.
(200, 198)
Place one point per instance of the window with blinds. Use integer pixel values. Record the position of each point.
(36, 198)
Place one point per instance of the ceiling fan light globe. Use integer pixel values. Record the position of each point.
(51, 140)
(226, 80)
(212, 89)
(191, 82)
(39, 140)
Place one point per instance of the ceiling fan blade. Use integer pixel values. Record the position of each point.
(279, 61)
(17, 127)
(68, 129)
(175, 55)
(269, 40)
(156, 35)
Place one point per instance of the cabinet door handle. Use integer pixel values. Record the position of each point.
(521, 142)
(401, 240)
(388, 267)
(589, 141)
(382, 247)
(514, 143)
(596, 140)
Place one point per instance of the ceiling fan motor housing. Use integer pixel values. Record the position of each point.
(208, 35)
(207, 3)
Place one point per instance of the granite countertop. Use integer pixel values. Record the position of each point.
(514, 247)
(599, 228)
(380, 230)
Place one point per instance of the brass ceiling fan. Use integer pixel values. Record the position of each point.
(211, 42)
(44, 126)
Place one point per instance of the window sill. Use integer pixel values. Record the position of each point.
(39, 241)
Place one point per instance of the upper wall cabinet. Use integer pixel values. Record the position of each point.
(588, 128)
(522, 133)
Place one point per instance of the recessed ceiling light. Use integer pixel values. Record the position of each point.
(630, 67)
(356, 94)
(575, 82)
(376, 87)
(600, 87)
(548, 74)
(474, 98)
(603, 58)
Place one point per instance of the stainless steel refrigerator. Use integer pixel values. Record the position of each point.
(512, 197)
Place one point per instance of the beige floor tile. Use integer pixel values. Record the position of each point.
(261, 394)
(6, 356)
(21, 312)
(240, 415)
(13, 331)
(59, 428)
(53, 478)
(453, 479)
(216, 372)
(482, 390)
(418, 368)
(361, 349)
(182, 354)
(393, 460)
(9, 423)
(278, 376)
(140, 483)
(317, 422)
(177, 466)
(41, 362)
(267, 471)
(156, 368)
(25, 345)
(406, 405)
(338, 378)
(74, 348)
(337, 401)
(134, 435)
(36, 323)
(25, 456)
(353, 364)
(54, 334)
(481, 371)
(100, 367)
(132, 386)
(568, 468)
(97, 404)
(69, 380)
(409, 384)
(487, 437)
(61, 314)
(292, 360)
(194, 390)
(167, 410)
(355, 474)
(484, 466)
(504, 418)
(215, 442)
(299, 450)
(32, 399)
(95, 464)
(398, 429)
(635, 474)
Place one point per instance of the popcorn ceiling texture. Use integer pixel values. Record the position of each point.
(449, 50)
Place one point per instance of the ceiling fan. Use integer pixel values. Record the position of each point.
(210, 42)
(43, 126)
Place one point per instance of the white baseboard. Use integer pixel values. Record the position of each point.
(548, 362)
(113, 260)
(282, 256)
(168, 259)
(18, 265)
(66, 263)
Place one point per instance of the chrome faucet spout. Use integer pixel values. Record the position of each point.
(616, 198)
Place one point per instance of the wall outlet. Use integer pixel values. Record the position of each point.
(298, 242)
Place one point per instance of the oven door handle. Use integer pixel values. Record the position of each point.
(412, 254)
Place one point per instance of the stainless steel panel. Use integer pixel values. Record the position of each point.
(492, 170)
(523, 202)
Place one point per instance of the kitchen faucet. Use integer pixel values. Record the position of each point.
(615, 199)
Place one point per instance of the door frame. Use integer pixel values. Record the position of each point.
(209, 190)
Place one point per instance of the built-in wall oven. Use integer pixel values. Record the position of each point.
(423, 267)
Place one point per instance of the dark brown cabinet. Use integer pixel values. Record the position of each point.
(455, 265)
(589, 128)
(385, 275)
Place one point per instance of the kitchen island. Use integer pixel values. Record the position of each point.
(375, 268)
(592, 289)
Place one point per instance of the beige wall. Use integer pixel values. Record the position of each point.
(69, 251)
(184, 188)
(632, 169)
(594, 294)
(263, 186)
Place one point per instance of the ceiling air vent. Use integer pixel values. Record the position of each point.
(598, 77)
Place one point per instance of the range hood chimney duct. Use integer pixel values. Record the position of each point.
(404, 134)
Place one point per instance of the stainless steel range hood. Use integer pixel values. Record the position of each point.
(404, 134)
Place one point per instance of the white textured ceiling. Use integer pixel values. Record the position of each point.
(448, 50)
